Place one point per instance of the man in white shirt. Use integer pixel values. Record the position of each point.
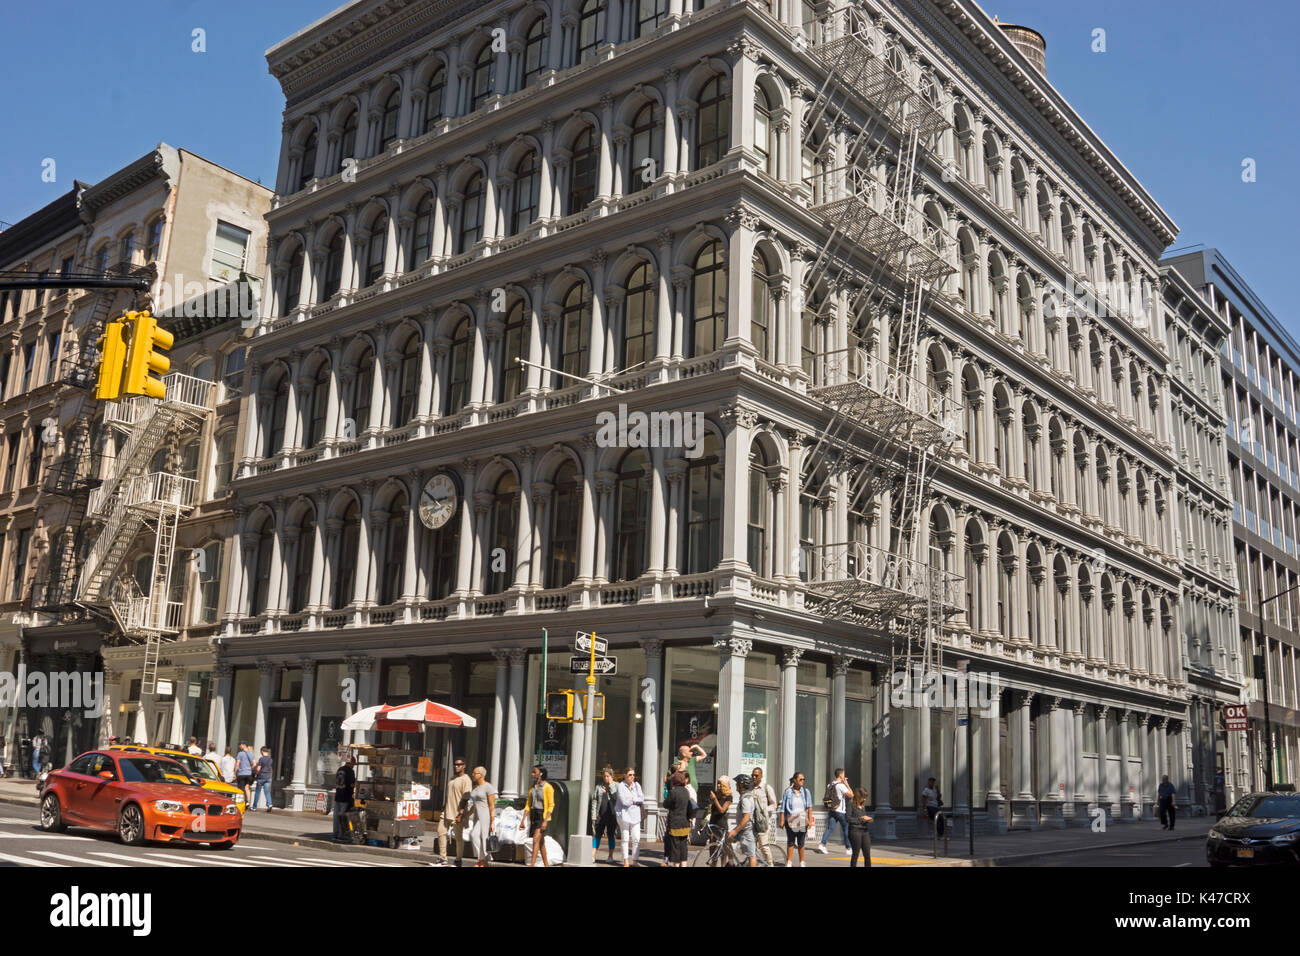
(212, 756)
(227, 765)
(839, 791)
(194, 747)
(767, 804)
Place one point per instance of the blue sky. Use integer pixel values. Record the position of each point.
(1184, 92)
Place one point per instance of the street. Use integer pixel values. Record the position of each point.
(1188, 852)
(22, 844)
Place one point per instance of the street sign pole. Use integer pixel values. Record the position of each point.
(579, 852)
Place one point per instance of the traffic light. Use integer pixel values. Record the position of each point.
(112, 358)
(559, 705)
(143, 356)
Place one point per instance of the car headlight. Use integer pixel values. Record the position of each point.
(232, 810)
(239, 798)
(1286, 839)
(168, 806)
(1215, 836)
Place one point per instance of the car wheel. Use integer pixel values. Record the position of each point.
(130, 825)
(52, 814)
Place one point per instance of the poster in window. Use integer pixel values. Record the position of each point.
(554, 748)
(697, 727)
(753, 744)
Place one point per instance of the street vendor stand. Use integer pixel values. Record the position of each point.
(396, 779)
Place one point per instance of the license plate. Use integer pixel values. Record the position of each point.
(1245, 853)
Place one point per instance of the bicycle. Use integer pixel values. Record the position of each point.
(722, 851)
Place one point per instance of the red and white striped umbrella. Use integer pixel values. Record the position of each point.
(411, 718)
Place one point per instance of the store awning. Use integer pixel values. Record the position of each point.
(411, 718)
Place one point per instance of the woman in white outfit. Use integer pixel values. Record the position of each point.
(629, 804)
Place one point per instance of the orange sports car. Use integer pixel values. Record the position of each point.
(136, 796)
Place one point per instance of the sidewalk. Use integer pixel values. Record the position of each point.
(314, 830)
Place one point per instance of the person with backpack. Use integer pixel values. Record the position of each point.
(345, 780)
(766, 804)
(835, 801)
(796, 817)
(743, 836)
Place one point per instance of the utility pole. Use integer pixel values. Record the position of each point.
(579, 852)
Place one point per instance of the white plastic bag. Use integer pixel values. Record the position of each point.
(554, 852)
(507, 826)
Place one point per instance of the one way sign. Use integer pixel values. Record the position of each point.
(604, 665)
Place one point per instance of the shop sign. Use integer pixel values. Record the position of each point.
(554, 748)
(1234, 716)
(418, 791)
(320, 802)
(408, 810)
(753, 749)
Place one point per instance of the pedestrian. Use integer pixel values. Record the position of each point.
(796, 816)
(211, 755)
(1165, 794)
(859, 835)
(930, 800)
(604, 822)
(628, 809)
(244, 771)
(2, 757)
(345, 779)
(836, 801)
(687, 754)
(194, 747)
(452, 820)
(742, 837)
(481, 795)
(677, 805)
(228, 767)
(766, 805)
(263, 769)
(718, 812)
(38, 752)
(541, 804)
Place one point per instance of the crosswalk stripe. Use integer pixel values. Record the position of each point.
(138, 860)
(27, 861)
(316, 859)
(198, 860)
(285, 861)
(80, 861)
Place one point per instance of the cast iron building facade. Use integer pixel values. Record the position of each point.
(634, 200)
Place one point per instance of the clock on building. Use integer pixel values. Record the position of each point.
(437, 502)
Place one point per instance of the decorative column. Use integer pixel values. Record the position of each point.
(224, 674)
(502, 657)
(881, 737)
(265, 672)
(302, 744)
(1103, 752)
(789, 682)
(839, 670)
(510, 787)
(732, 652)
(1052, 803)
(651, 696)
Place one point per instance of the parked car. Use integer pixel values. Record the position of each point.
(140, 797)
(200, 769)
(1260, 829)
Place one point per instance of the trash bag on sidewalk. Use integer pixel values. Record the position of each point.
(507, 827)
(554, 852)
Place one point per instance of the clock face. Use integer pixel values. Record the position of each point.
(437, 502)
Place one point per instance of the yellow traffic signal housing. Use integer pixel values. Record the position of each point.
(559, 705)
(143, 358)
(112, 359)
(580, 701)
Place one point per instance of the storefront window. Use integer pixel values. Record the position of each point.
(328, 711)
(243, 712)
(690, 707)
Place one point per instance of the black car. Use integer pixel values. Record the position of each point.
(1261, 829)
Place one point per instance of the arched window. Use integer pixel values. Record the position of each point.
(408, 382)
(974, 572)
(1002, 432)
(433, 97)
(388, 123)
(1103, 486)
(422, 233)
(632, 514)
(575, 333)
(292, 283)
(362, 386)
(260, 584)
(300, 590)
(348, 141)
(345, 568)
(709, 300)
(713, 123)
(444, 553)
(1029, 418)
(765, 138)
(458, 368)
(377, 248)
(813, 165)
(471, 214)
(1081, 473)
(758, 515)
(647, 17)
(320, 402)
(503, 521)
(591, 28)
(307, 166)
(809, 333)
(762, 325)
(126, 248)
(232, 373)
(392, 577)
(482, 78)
(209, 602)
(511, 375)
(333, 267)
(534, 58)
(993, 168)
(639, 317)
(527, 183)
(583, 170)
(703, 525)
(276, 421)
(1006, 588)
(1034, 595)
(1057, 440)
(153, 239)
(647, 154)
(566, 520)
(974, 399)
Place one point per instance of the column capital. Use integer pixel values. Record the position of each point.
(308, 665)
(734, 646)
(501, 656)
(654, 648)
(518, 656)
(790, 656)
(840, 664)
